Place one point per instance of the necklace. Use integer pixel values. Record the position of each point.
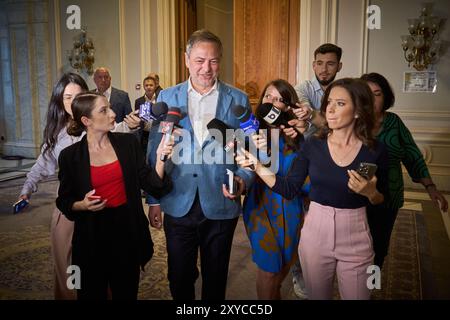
(341, 161)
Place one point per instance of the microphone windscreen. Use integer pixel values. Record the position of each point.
(264, 109)
(241, 113)
(272, 115)
(173, 115)
(218, 125)
(159, 109)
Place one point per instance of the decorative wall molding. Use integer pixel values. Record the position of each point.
(430, 114)
(214, 8)
(33, 77)
(328, 19)
(145, 29)
(364, 39)
(57, 26)
(167, 49)
(304, 58)
(122, 46)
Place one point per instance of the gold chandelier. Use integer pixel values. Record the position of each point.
(81, 57)
(421, 46)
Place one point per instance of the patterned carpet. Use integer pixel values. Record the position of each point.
(26, 270)
(26, 267)
(401, 273)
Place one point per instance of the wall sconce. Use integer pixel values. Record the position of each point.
(81, 57)
(421, 47)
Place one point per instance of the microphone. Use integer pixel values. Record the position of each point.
(166, 127)
(216, 124)
(155, 112)
(248, 122)
(272, 115)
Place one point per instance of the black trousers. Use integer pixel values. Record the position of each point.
(381, 223)
(109, 264)
(184, 237)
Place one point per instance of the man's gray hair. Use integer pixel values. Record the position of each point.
(203, 35)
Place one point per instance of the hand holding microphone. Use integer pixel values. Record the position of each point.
(167, 127)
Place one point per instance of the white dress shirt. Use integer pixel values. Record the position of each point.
(107, 93)
(202, 109)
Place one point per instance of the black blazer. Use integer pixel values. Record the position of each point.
(75, 182)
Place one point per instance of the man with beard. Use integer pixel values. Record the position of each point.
(327, 63)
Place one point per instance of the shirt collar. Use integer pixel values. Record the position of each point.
(191, 88)
(107, 93)
(316, 84)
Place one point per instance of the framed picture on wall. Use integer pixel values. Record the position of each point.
(419, 81)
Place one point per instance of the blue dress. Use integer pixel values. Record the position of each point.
(272, 222)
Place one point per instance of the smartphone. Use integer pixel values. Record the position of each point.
(20, 205)
(90, 198)
(230, 183)
(367, 170)
(145, 111)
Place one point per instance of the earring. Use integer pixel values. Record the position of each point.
(356, 116)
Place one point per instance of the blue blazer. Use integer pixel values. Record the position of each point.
(189, 177)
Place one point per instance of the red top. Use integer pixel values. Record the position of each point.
(107, 180)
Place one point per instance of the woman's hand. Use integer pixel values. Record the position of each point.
(247, 160)
(132, 120)
(303, 112)
(90, 203)
(155, 216)
(437, 198)
(364, 187)
(164, 148)
(260, 141)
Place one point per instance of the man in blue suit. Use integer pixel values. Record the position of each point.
(200, 213)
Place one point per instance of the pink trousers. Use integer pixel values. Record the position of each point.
(336, 242)
(61, 232)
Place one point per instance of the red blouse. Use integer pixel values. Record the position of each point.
(107, 180)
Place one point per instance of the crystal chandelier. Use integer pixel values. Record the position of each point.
(421, 46)
(81, 57)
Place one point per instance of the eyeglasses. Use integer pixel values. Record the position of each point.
(270, 97)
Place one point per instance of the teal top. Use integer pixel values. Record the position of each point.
(401, 149)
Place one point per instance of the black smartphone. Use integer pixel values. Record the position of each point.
(367, 170)
(20, 205)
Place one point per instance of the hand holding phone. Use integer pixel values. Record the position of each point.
(93, 197)
(20, 205)
(367, 170)
(229, 182)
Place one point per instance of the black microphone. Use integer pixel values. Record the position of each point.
(166, 126)
(272, 115)
(216, 124)
(159, 110)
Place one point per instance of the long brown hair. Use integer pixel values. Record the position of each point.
(363, 102)
(57, 116)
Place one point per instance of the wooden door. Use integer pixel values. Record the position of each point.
(266, 34)
(187, 24)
